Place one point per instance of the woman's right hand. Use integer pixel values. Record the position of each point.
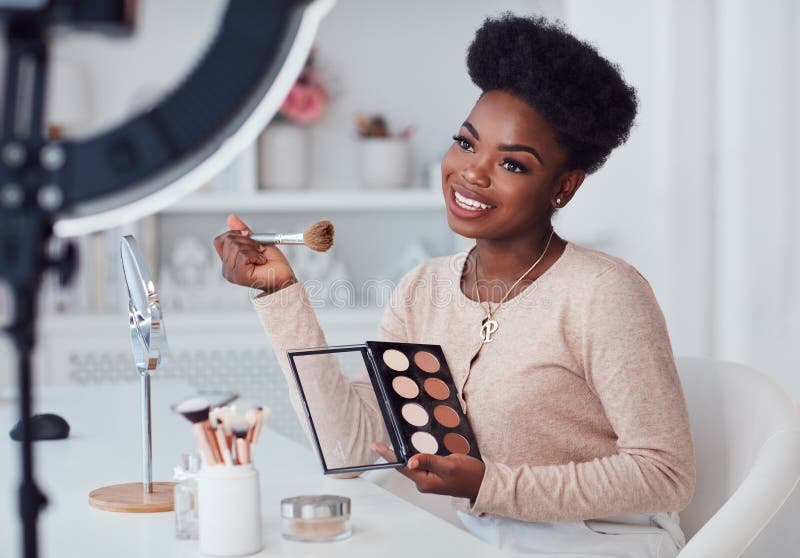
(250, 264)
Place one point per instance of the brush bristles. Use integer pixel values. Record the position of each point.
(195, 410)
(240, 426)
(319, 236)
(214, 416)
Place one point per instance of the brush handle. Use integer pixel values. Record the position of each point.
(202, 441)
(242, 451)
(257, 427)
(212, 441)
(223, 446)
(277, 238)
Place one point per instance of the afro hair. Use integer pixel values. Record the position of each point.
(580, 93)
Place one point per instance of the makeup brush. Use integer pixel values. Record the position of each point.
(261, 415)
(250, 416)
(225, 414)
(240, 427)
(318, 236)
(196, 411)
(214, 414)
(219, 432)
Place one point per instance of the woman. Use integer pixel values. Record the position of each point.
(560, 352)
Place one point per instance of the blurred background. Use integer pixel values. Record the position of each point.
(702, 200)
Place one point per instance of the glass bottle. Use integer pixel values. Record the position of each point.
(186, 496)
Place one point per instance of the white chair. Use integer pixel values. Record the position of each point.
(747, 439)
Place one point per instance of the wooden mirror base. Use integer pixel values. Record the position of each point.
(130, 498)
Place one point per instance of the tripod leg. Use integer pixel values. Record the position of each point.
(31, 499)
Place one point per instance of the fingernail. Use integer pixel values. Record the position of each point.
(412, 464)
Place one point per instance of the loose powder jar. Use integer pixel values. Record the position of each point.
(316, 518)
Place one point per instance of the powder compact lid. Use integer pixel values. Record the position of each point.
(315, 507)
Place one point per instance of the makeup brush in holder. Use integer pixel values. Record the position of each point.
(223, 437)
(229, 494)
(222, 441)
(240, 429)
(197, 412)
(318, 236)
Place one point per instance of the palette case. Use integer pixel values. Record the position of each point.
(415, 392)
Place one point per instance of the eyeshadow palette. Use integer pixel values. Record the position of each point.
(413, 387)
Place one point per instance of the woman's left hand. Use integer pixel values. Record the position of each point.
(453, 475)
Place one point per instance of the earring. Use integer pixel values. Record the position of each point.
(558, 201)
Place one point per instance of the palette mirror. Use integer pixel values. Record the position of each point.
(336, 428)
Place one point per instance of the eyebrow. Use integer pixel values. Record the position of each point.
(503, 146)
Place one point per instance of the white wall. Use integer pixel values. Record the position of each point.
(757, 299)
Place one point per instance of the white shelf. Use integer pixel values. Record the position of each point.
(310, 200)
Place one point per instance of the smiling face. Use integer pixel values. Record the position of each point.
(504, 170)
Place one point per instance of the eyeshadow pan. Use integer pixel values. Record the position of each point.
(446, 416)
(436, 389)
(456, 443)
(427, 362)
(405, 387)
(414, 414)
(424, 442)
(395, 360)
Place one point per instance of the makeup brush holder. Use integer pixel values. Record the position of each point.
(229, 499)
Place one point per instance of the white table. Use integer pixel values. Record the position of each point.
(104, 448)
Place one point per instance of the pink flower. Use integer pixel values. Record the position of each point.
(306, 100)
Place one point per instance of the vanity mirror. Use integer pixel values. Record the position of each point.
(149, 346)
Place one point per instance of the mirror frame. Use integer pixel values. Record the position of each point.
(148, 336)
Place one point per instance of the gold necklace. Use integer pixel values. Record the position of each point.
(489, 325)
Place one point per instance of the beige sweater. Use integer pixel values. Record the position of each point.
(576, 405)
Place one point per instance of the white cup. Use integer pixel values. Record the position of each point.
(229, 507)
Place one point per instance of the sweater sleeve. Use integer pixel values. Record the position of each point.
(628, 364)
(353, 418)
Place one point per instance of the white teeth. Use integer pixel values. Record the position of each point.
(470, 204)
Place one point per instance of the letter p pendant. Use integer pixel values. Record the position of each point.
(488, 328)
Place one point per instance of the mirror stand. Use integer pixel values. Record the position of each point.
(138, 497)
(149, 344)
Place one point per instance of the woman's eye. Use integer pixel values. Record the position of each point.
(463, 143)
(513, 166)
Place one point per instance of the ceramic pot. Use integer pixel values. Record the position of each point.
(384, 162)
